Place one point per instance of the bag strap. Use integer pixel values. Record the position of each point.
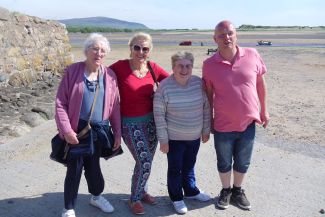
(95, 98)
(88, 127)
(152, 73)
(85, 130)
(94, 102)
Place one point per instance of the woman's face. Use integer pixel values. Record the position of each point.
(95, 54)
(182, 70)
(140, 50)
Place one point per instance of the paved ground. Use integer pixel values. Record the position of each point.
(279, 183)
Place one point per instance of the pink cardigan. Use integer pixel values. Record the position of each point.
(69, 99)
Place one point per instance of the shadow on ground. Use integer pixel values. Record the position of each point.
(52, 204)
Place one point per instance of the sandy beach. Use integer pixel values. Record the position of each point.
(287, 174)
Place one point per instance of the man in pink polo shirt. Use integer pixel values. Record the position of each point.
(236, 91)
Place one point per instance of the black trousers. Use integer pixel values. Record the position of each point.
(93, 176)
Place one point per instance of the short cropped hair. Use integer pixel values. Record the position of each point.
(95, 38)
(182, 55)
(141, 36)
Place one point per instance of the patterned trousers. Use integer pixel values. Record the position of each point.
(139, 135)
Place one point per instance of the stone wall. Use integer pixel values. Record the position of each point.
(31, 48)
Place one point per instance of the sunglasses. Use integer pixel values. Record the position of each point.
(138, 48)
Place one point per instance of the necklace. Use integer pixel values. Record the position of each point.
(139, 73)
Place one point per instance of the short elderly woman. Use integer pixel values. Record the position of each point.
(136, 87)
(74, 100)
(182, 116)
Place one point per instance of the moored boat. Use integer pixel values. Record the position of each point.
(262, 42)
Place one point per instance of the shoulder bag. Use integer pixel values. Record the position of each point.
(60, 148)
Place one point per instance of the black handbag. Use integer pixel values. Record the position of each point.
(85, 147)
(59, 150)
(107, 151)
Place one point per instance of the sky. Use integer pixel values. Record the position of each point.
(180, 14)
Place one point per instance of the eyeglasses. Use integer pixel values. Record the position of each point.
(138, 48)
(181, 66)
(98, 50)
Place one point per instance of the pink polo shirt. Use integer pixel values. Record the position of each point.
(235, 102)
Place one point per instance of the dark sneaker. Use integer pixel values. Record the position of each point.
(239, 198)
(224, 198)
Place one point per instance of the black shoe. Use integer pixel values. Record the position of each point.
(224, 198)
(239, 198)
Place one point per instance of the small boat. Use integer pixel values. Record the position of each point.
(262, 42)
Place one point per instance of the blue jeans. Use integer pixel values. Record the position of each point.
(180, 174)
(236, 147)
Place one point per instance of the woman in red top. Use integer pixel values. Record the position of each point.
(136, 86)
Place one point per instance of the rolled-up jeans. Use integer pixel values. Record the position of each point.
(234, 149)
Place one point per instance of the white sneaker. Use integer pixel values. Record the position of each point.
(203, 197)
(68, 213)
(180, 207)
(101, 203)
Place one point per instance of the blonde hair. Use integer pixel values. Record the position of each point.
(141, 36)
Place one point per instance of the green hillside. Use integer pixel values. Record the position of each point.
(103, 23)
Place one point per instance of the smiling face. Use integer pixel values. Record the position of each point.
(95, 55)
(140, 50)
(182, 70)
(225, 35)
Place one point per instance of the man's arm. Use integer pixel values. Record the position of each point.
(261, 92)
(209, 92)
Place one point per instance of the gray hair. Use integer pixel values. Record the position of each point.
(180, 55)
(95, 38)
(141, 36)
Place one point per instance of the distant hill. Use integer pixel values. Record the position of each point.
(102, 22)
(248, 27)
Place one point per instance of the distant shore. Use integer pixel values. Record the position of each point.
(313, 39)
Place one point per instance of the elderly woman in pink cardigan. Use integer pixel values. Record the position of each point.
(75, 96)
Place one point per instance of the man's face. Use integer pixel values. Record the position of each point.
(225, 36)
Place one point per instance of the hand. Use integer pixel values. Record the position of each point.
(265, 118)
(117, 142)
(71, 138)
(205, 138)
(164, 148)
